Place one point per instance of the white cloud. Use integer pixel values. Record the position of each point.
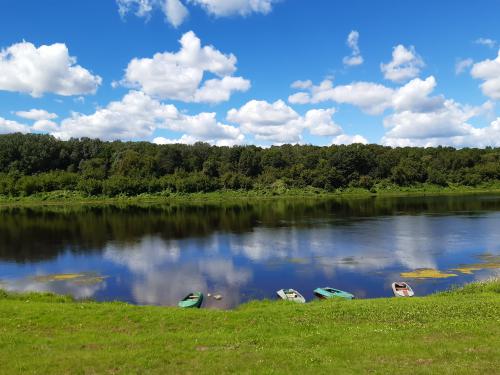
(344, 139)
(141, 8)
(220, 90)
(36, 114)
(486, 42)
(275, 122)
(414, 96)
(355, 58)
(474, 137)
(489, 72)
(371, 97)
(45, 126)
(223, 8)
(178, 75)
(462, 65)
(420, 119)
(320, 122)
(447, 121)
(176, 12)
(300, 98)
(7, 126)
(417, 117)
(405, 64)
(278, 123)
(138, 116)
(302, 85)
(47, 69)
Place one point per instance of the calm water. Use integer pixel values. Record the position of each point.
(157, 254)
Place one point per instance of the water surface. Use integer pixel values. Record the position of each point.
(155, 254)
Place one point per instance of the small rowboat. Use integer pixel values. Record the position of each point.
(291, 295)
(192, 300)
(402, 289)
(327, 292)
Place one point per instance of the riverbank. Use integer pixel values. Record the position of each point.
(455, 332)
(72, 197)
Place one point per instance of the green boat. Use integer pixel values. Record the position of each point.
(326, 293)
(192, 300)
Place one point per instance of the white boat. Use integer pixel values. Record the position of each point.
(291, 295)
(402, 289)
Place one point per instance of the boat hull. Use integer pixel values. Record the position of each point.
(328, 293)
(192, 301)
(291, 295)
(402, 289)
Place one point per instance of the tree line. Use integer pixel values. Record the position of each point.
(34, 163)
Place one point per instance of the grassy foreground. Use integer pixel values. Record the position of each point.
(456, 332)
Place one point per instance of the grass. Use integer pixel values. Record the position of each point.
(456, 332)
(75, 197)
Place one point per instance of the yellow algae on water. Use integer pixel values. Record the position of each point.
(467, 269)
(426, 273)
(470, 268)
(75, 278)
(58, 277)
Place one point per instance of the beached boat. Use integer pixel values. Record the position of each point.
(291, 295)
(402, 289)
(192, 300)
(327, 292)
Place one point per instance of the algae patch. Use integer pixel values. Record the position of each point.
(490, 262)
(427, 273)
(75, 278)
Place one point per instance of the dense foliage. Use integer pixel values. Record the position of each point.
(34, 163)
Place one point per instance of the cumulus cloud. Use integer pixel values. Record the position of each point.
(405, 64)
(8, 126)
(320, 122)
(274, 122)
(344, 139)
(179, 75)
(223, 8)
(447, 121)
(371, 97)
(45, 126)
(176, 11)
(420, 119)
(417, 117)
(138, 116)
(36, 114)
(278, 123)
(489, 72)
(462, 65)
(473, 137)
(486, 42)
(355, 58)
(47, 69)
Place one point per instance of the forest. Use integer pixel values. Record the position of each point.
(34, 163)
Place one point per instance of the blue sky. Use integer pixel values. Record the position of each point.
(413, 74)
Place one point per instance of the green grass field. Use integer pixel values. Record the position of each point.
(456, 332)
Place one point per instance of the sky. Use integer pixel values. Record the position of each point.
(262, 72)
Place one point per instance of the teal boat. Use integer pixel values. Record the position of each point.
(326, 293)
(192, 300)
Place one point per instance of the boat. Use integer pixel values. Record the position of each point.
(192, 300)
(402, 289)
(291, 295)
(327, 292)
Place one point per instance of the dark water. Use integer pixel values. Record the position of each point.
(156, 254)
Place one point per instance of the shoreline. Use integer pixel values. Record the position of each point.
(75, 198)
